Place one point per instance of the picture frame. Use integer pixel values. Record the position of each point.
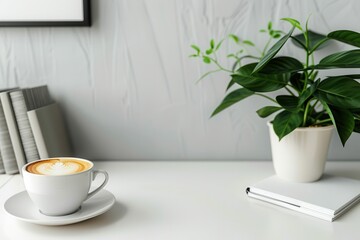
(45, 13)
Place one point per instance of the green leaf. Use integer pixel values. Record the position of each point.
(308, 93)
(219, 45)
(315, 40)
(346, 59)
(293, 22)
(341, 92)
(276, 35)
(196, 48)
(235, 65)
(262, 30)
(230, 84)
(233, 98)
(329, 112)
(269, 26)
(319, 45)
(209, 51)
(345, 123)
(267, 111)
(206, 60)
(212, 43)
(353, 76)
(289, 103)
(259, 82)
(286, 122)
(273, 51)
(234, 37)
(297, 81)
(282, 65)
(247, 42)
(343, 120)
(346, 36)
(240, 51)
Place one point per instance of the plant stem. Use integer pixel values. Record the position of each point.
(269, 98)
(220, 68)
(306, 36)
(318, 45)
(249, 56)
(214, 60)
(306, 112)
(312, 60)
(313, 107)
(306, 72)
(289, 85)
(208, 73)
(323, 121)
(307, 75)
(289, 91)
(320, 114)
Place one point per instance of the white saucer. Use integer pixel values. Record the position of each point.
(22, 208)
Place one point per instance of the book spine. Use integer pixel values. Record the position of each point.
(26, 135)
(38, 134)
(6, 149)
(2, 168)
(13, 130)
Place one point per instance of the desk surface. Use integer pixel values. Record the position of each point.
(185, 201)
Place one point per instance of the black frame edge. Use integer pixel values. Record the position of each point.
(85, 23)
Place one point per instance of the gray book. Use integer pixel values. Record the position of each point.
(50, 132)
(5, 144)
(2, 168)
(24, 100)
(2, 117)
(7, 152)
(13, 129)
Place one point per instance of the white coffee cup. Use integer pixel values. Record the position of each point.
(58, 186)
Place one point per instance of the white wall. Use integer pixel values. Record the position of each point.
(128, 87)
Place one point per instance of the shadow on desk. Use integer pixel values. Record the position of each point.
(115, 214)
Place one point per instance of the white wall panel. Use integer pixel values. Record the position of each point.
(127, 86)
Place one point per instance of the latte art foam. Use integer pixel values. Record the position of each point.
(56, 167)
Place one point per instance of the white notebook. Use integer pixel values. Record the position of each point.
(327, 198)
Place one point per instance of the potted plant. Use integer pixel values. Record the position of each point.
(307, 107)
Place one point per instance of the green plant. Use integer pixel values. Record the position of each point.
(309, 100)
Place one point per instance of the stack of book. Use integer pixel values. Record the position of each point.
(31, 128)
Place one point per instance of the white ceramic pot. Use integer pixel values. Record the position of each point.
(301, 155)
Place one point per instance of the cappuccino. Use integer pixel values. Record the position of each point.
(58, 166)
(58, 186)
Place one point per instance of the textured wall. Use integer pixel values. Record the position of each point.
(128, 87)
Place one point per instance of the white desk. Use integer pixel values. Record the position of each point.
(188, 201)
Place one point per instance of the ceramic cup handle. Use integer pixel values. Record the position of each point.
(94, 174)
